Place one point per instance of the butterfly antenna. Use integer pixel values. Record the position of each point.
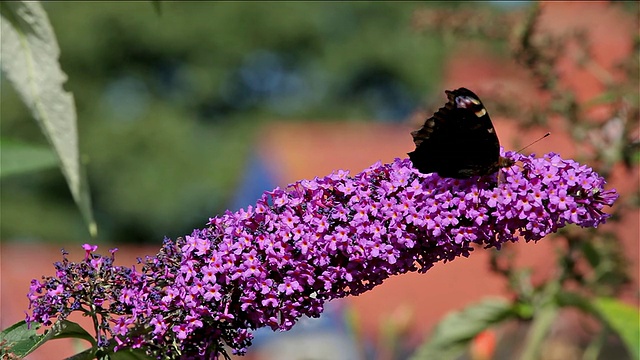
(542, 137)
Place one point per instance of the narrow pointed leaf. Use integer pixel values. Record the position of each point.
(29, 60)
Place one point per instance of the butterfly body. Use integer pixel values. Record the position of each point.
(459, 140)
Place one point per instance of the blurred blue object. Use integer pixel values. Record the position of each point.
(256, 179)
(127, 98)
(323, 338)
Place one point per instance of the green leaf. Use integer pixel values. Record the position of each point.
(20, 158)
(20, 339)
(624, 319)
(23, 341)
(130, 354)
(29, 60)
(68, 329)
(452, 335)
(125, 354)
(88, 354)
(573, 299)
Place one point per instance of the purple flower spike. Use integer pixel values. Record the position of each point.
(331, 237)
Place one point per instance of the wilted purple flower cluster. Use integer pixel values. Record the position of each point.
(327, 238)
(90, 287)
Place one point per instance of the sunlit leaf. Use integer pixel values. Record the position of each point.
(453, 334)
(23, 341)
(623, 319)
(20, 339)
(29, 60)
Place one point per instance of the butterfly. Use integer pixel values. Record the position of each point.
(459, 140)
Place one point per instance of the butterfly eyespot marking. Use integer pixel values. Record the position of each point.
(465, 102)
(482, 112)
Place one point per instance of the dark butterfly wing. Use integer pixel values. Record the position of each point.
(459, 140)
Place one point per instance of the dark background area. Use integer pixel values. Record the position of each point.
(170, 104)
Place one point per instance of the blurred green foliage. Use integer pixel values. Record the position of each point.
(170, 103)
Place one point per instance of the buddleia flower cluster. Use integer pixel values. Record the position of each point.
(91, 287)
(327, 238)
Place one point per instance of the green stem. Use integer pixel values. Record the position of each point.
(545, 313)
(96, 325)
(540, 325)
(594, 348)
